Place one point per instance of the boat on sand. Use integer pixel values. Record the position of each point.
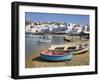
(55, 55)
(73, 48)
(63, 52)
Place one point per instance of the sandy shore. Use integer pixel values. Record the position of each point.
(34, 60)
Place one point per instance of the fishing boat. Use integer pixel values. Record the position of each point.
(71, 47)
(56, 56)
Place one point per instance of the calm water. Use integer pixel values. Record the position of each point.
(38, 42)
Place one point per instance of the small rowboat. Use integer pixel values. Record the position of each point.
(55, 56)
(74, 49)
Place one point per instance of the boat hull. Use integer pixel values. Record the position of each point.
(56, 58)
(44, 41)
(80, 51)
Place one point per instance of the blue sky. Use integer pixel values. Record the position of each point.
(67, 18)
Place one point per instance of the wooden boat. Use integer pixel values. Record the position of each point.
(81, 50)
(55, 55)
(73, 48)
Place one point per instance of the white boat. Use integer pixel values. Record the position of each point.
(73, 48)
(44, 40)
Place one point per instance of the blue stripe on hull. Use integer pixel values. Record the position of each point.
(57, 58)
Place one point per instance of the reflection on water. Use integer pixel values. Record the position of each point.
(38, 42)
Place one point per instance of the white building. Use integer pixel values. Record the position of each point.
(28, 28)
(70, 27)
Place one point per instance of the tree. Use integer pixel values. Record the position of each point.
(27, 22)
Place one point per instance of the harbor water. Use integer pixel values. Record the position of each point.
(38, 42)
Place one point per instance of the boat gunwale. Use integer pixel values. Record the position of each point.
(55, 55)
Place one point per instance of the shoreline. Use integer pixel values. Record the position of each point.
(34, 61)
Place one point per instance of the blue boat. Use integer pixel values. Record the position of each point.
(56, 57)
